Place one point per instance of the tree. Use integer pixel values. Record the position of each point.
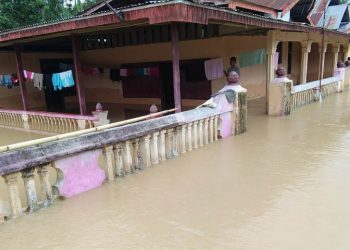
(18, 13)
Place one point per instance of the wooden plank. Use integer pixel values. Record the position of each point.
(176, 65)
(77, 69)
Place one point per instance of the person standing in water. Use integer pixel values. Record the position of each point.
(233, 67)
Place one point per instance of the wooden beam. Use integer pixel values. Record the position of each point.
(176, 65)
(22, 80)
(77, 70)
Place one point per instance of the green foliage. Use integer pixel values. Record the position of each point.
(18, 13)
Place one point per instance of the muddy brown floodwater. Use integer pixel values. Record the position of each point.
(282, 185)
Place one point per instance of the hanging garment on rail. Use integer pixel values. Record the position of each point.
(7, 81)
(47, 82)
(38, 80)
(214, 69)
(14, 79)
(62, 80)
(28, 74)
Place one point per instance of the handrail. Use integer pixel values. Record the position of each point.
(81, 132)
(315, 84)
(50, 114)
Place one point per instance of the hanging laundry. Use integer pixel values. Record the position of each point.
(14, 79)
(154, 71)
(1, 80)
(214, 69)
(247, 59)
(62, 80)
(47, 83)
(123, 72)
(90, 71)
(140, 72)
(147, 71)
(114, 75)
(28, 74)
(7, 81)
(38, 80)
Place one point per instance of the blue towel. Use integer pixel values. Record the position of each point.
(62, 80)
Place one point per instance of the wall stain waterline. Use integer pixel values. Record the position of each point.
(281, 185)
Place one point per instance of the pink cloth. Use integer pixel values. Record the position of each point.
(223, 106)
(123, 72)
(214, 69)
(28, 75)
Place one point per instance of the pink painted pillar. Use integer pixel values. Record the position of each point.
(22, 80)
(176, 65)
(77, 70)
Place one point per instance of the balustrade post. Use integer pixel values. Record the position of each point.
(29, 185)
(118, 160)
(200, 132)
(189, 136)
(127, 158)
(137, 154)
(154, 148)
(108, 158)
(169, 144)
(206, 132)
(241, 112)
(146, 151)
(162, 156)
(46, 188)
(183, 139)
(216, 127)
(176, 141)
(195, 134)
(211, 129)
(15, 201)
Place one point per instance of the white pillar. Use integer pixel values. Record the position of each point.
(335, 51)
(305, 50)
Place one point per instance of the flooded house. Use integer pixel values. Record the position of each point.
(124, 56)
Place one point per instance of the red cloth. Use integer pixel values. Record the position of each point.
(154, 71)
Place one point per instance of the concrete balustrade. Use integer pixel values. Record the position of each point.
(284, 97)
(125, 149)
(52, 122)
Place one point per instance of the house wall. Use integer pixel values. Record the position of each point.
(102, 89)
(11, 98)
(97, 89)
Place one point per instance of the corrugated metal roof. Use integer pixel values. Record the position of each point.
(274, 4)
(160, 11)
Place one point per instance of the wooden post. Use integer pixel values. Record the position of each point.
(77, 70)
(22, 80)
(176, 65)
